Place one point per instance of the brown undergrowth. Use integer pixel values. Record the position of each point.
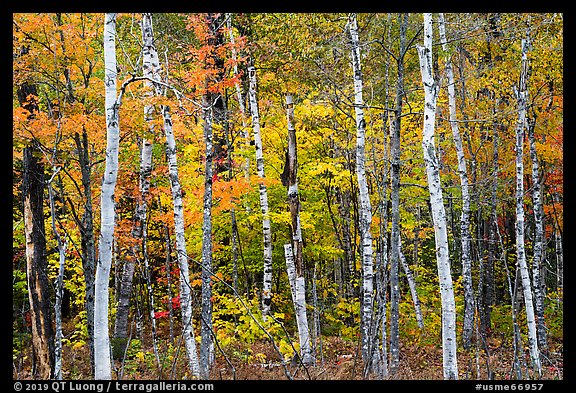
(338, 360)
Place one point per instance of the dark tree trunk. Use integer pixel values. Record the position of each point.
(37, 265)
(87, 238)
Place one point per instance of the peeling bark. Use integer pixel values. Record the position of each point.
(522, 98)
(185, 289)
(465, 235)
(299, 288)
(267, 234)
(364, 195)
(102, 361)
(431, 89)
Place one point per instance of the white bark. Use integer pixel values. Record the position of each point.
(382, 363)
(207, 346)
(522, 98)
(59, 288)
(364, 195)
(290, 269)
(537, 260)
(267, 279)
(431, 89)
(465, 235)
(559, 250)
(298, 290)
(294, 202)
(185, 295)
(151, 69)
(412, 285)
(102, 361)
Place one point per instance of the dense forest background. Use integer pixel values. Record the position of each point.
(270, 211)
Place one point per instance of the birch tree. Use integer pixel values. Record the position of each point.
(413, 292)
(150, 66)
(102, 364)
(537, 260)
(207, 347)
(364, 195)
(185, 289)
(113, 101)
(431, 89)
(465, 236)
(298, 279)
(267, 233)
(522, 99)
(395, 199)
(559, 250)
(59, 286)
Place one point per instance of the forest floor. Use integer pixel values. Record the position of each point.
(340, 360)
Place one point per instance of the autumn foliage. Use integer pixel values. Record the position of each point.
(58, 93)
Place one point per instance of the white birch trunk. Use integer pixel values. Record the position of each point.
(559, 251)
(537, 260)
(185, 295)
(102, 361)
(267, 279)
(298, 290)
(207, 346)
(412, 285)
(290, 269)
(294, 202)
(59, 288)
(431, 89)
(465, 235)
(382, 262)
(364, 195)
(522, 97)
(151, 69)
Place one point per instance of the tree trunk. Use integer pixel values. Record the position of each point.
(558, 251)
(469, 306)
(185, 289)
(412, 285)
(102, 361)
(364, 195)
(294, 203)
(267, 279)
(150, 67)
(538, 259)
(37, 265)
(382, 294)
(395, 201)
(59, 288)
(522, 98)
(343, 197)
(431, 89)
(88, 243)
(207, 346)
(298, 290)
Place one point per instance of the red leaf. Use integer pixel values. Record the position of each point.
(160, 314)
